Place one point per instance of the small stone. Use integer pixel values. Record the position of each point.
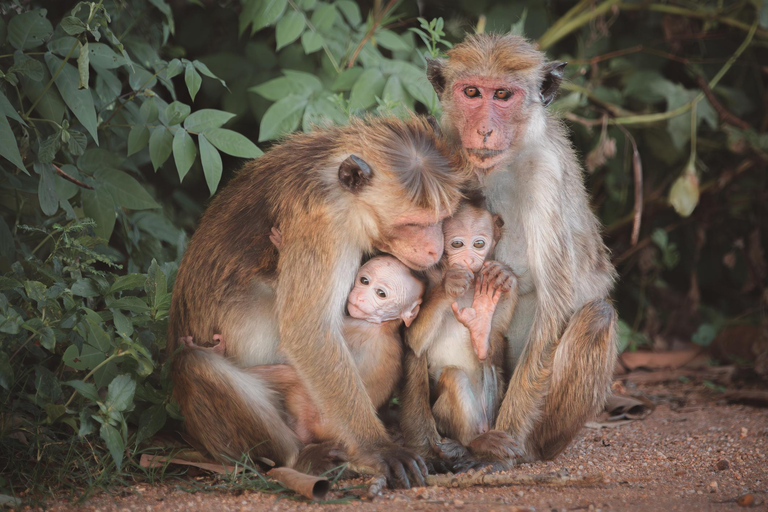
(746, 500)
(743, 433)
(458, 503)
(722, 465)
(713, 487)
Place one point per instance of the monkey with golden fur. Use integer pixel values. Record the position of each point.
(337, 194)
(562, 338)
(459, 340)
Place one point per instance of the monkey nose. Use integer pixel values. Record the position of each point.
(484, 133)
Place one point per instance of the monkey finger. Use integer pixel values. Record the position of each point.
(397, 473)
(418, 471)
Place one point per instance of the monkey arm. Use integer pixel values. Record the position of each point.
(417, 421)
(423, 331)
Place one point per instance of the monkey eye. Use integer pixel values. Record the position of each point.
(457, 244)
(479, 244)
(502, 94)
(364, 280)
(472, 92)
(381, 293)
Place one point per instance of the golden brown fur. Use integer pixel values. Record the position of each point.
(229, 283)
(562, 336)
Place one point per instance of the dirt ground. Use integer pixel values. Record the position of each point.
(694, 452)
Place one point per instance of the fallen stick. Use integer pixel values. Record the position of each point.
(498, 479)
(153, 461)
(313, 487)
(747, 396)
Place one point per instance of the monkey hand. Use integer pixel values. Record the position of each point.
(499, 276)
(393, 461)
(457, 280)
(479, 317)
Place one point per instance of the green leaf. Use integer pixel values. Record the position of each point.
(8, 147)
(86, 389)
(150, 422)
(27, 66)
(125, 190)
(205, 119)
(98, 205)
(391, 41)
(48, 148)
(85, 287)
(192, 79)
(175, 67)
(8, 109)
(49, 105)
(138, 137)
(232, 143)
(289, 28)
(46, 190)
(83, 66)
(149, 111)
(184, 152)
(156, 285)
(29, 30)
(262, 13)
(128, 282)
(101, 55)
(294, 82)
(78, 100)
(114, 442)
(324, 17)
(211, 160)
(96, 160)
(176, 112)
(207, 72)
(311, 41)
(73, 25)
(120, 392)
(123, 324)
(77, 143)
(351, 11)
(346, 79)
(35, 290)
(704, 335)
(86, 359)
(368, 86)
(139, 78)
(160, 146)
(132, 304)
(282, 117)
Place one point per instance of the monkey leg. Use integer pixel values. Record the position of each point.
(229, 411)
(582, 370)
(458, 411)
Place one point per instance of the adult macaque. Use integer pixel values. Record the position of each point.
(336, 194)
(494, 90)
(459, 339)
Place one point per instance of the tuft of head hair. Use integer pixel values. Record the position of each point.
(493, 55)
(414, 153)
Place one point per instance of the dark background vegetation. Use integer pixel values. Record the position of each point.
(119, 119)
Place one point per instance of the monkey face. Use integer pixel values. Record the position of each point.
(416, 239)
(488, 113)
(385, 290)
(469, 238)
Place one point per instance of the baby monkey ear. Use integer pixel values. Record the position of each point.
(553, 75)
(354, 173)
(409, 315)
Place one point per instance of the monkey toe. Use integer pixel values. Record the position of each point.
(495, 445)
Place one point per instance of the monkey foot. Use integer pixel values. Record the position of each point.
(320, 458)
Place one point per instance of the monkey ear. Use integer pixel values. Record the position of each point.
(553, 75)
(498, 223)
(435, 74)
(409, 315)
(354, 173)
(435, 124)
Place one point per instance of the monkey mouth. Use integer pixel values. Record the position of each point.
(484, 154)
(355, 312)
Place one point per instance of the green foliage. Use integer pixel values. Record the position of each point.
(117, 122)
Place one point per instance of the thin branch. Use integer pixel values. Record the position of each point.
(555, 34)
(637, 169)
(723, 113)
(497, 479)
(369, 34)
(70, 178)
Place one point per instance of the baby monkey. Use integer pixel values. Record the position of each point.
(385, 295)
(460, 332)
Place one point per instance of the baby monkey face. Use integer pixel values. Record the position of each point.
(468, 238)
(385, 290)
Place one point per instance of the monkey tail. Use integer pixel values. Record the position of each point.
(229, 411)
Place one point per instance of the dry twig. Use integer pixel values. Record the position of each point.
(497, 479)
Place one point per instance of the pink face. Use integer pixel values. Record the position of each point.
(416, 239)
(468, 238)
(385, 290)
(489, 110)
